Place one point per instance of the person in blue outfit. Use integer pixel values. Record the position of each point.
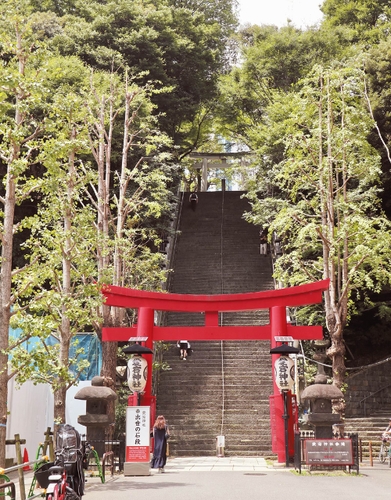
(160, 433)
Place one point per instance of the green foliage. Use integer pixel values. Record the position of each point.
(367, 20)
(325, 165)
(272, 59)
(123, 393)
(55, 293)
(175, 44)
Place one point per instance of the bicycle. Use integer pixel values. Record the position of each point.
(384, 451)
(58, 488)
(62, 480)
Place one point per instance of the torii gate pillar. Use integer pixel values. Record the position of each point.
(144, 330)
(279, 328)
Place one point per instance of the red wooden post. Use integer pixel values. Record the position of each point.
(145, 325)
(145, 328)
(133, 399)
(279, 328)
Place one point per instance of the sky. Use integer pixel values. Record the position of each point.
(302, 13)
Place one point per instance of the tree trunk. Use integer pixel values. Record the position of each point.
(60, 395)
(3, 384)
(6, 264)
(336, 352)
(5, 297)
(5, 314)
(109, 355)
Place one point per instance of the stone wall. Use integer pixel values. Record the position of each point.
(369, 390)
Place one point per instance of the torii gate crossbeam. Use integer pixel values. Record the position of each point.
(211, 305)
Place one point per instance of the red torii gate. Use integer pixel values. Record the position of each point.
(275, 300)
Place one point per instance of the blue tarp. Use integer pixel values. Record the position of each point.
(88, 341)
(92, 351)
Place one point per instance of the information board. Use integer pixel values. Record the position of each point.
(137, 434)
(328, 452)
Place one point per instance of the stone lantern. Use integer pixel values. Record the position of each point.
(96, 419)
(320, 395)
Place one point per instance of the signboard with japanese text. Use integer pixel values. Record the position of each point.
(137, 433)
(137, 373)
(328, 452)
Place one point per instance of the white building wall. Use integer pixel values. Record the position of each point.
(31, 412)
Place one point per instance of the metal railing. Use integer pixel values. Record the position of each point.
(162, 319)
(20, 469)
(174, 237)
(10, 485)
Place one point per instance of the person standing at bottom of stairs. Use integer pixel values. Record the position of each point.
(161, 434)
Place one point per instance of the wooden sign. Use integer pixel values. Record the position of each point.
(328, 452)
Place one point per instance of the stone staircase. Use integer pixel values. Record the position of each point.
(369, 430)
(223, 388)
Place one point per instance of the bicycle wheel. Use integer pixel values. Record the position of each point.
(382, 453)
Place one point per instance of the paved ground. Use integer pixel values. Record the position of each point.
(213, 478)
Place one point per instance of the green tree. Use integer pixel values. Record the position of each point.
(22, 125)
(325, 202)
(57, 293)
(364, 20)
(377, 67)
(45, 143)
(128, 199)
(272, 58)
(91, 224)
(182, 45)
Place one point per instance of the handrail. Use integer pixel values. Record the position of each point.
(24, 464)
(372, 394)
(172, 248)
(105, 455)
(19, 468)
(223, 402)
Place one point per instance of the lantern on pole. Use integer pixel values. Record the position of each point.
(137, 371)
(284, 372)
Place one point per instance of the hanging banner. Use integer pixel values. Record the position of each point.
(137, 433)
